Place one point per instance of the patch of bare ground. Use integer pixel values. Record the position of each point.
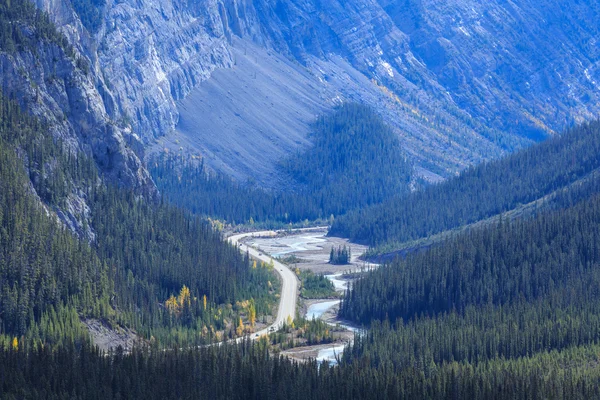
(311, 250)
(108, 337)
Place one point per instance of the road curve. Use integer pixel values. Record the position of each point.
(289, 280)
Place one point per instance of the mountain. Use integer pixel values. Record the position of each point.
(239, 82)
(52, 80)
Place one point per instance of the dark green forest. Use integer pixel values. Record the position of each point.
(496, 265)
(482, 191)
(505, 293)
(45, 273)
(355, 161)
(249, 372)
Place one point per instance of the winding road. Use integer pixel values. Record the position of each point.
(289, 280)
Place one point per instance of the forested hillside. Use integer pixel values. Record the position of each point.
(47, 276)
(482, 191)
(142, 253)
(497, 265)
(497, 295)
(355, 161)
(505, 263)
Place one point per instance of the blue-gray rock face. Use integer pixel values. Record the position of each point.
(461, 81)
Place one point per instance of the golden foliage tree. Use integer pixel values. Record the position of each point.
(171, 304)
(252, 314)
(240, 328)
(176, 304)
(184, 296)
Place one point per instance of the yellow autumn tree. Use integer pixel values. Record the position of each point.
(240, 328)
(204, 301)
(176, 304)
(171, 304)
(15, 344)
(184, 296)
(254, 265)
(252, 314)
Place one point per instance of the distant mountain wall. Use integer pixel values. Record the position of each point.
(460, 81)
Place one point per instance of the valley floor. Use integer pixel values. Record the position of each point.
(309, 250)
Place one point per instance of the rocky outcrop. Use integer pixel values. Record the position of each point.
(50, 85)
(154, 53)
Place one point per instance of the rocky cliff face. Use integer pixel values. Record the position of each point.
(54, 82)
(51, 86)
(461, 81)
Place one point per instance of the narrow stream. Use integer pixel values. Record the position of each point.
(330, 354)
(318, 309)
(340, 284)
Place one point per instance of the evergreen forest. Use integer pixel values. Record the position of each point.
(558, 171)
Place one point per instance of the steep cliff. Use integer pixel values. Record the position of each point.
(53, 81)
(460, 81)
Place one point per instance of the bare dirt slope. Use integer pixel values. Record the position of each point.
(246, 118)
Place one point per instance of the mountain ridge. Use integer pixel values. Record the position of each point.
(460, 82)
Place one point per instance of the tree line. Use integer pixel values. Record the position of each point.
(248, 371)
